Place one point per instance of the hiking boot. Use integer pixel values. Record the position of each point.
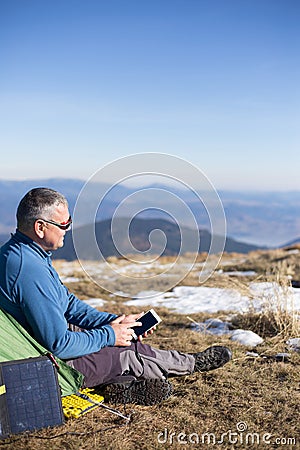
(211, 358)
(141, 392)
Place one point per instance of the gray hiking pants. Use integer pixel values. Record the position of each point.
(139, 360)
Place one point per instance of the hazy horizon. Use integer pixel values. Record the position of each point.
(83, 180)
(265, 218)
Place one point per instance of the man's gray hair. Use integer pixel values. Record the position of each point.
(38, 203)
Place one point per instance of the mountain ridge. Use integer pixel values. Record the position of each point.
(265, 219)
(139, 240)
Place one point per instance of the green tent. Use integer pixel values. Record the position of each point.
(16, 343)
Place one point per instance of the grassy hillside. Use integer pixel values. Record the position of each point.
(249, 402)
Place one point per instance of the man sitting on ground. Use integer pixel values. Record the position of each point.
(103, 350)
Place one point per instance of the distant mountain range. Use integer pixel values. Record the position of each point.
(260, 219)
(138, 240)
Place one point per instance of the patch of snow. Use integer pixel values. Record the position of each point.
(69, 279)
(95, 302)
(246, 337)
(212, 326)
(218, 327)
(294, 344)
(294, 251)
(275, 294)
(120, 294)
(193, 299)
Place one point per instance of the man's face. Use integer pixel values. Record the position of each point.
(53, 235)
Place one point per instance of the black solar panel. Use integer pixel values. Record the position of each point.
(29, 396)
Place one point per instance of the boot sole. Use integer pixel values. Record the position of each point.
(212, 358)
(140, 392)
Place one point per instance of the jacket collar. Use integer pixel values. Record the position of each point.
(23, 238)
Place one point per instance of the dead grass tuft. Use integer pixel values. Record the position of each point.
(277, 315)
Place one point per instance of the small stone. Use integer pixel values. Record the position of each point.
(282, 357)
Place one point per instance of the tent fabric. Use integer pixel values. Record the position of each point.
(16, 343)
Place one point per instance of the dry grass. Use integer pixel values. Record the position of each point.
(277, 315)
(262, 394)
(258, 393)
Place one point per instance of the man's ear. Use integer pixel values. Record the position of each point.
(39, 228)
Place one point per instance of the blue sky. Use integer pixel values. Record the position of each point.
(213, 81)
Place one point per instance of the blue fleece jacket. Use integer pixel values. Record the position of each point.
(31, 291)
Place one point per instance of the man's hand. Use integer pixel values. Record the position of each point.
(131, 321)
(132, 317)
(122, 327)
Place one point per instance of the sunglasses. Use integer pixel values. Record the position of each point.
(63, 225)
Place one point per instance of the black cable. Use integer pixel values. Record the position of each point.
(66, 433)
